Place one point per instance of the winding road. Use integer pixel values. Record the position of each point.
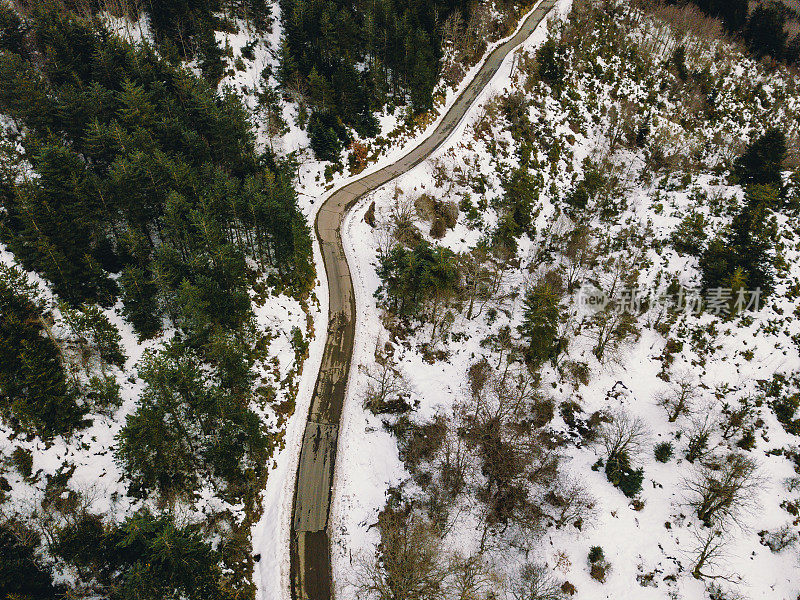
(310, 544)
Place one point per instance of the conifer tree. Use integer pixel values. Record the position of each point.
(765, 31)
(539, 328)
(762, 161)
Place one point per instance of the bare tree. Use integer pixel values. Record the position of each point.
(579, 256)
(386, 388)
(384, 238)
(535, 582)
(569, 502)
(512, 453)
(698, 435)
(410, 564)
(708, 549)
(680, 397)
(478, 278)
(404, 220)
(721, 489)
(624, 435)
(455, 466)
(610, 328)
(472, 578)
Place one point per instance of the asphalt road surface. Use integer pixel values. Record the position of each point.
(310, 544)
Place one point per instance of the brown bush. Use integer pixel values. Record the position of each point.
(598, 572)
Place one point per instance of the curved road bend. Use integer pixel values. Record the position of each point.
(310, 547)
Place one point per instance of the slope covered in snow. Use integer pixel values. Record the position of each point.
(633, 129)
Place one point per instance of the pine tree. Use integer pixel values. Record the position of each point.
(35, 395)
(138, 161)
(325, 141)
(742, 256)
(765, 31)
(753, 236)
(762, 161)
(540, 322)
(189, 426)
(21, 575)
(732, 12)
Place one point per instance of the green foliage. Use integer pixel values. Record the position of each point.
(765, 31)
(741, 256)
(552, 64)
(21, 575)
(679, 60)
(103, 392)
(23, 461)
(762, 160)
(539, 328)
(95, 330)
(140, 300)
(698, 444)
(520, 193)
(596, 554)
(782, 393)
(191, 424)
(786, 408)
(12, 30)
(732, 12)
(328, 135)
(690, 236)
(147, 557)
(356, 57)
(34, 393)
(412, 279)
(622, 475)
(785, 405)
(299, 344)
(793, 197)
(143, 169)
(589, 188)
(663, 452)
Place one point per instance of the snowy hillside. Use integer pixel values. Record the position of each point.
(468, 442)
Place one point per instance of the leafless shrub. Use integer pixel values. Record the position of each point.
(613, 325)
(707, 551)
(623, 435)
(569, 502)
(423, 441)
(779, 539)
(535, 582)
(442, 215)
(482, 279)
(403, 218)
(478, 375)
(386, 390)
(722, 489)
(384, 238)
(514, 456)
(410, 564)
(580, 255)
(454, 467)
(679, 399)
(610, 328)
(472, 577)
(425, 205)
